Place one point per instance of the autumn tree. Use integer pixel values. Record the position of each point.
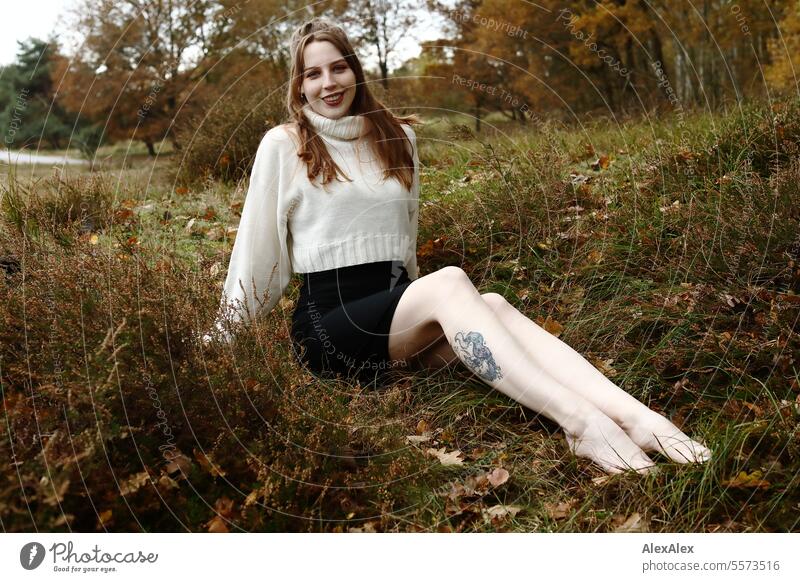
(618, 55)
(137, 60)
(376, 27)
(785, 52)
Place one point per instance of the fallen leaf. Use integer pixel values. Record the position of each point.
(633, 523)
(134, 483)
(224, 506)
(600, 163)
(451, 458)
(208, 464)
(252, 498)
(122, 214)
(215, 233)
(477, 484)
(757, 410)
(457, 490)
(168, 482)
(368, 528)
(745, 480)
(499, 512)
(497, 477)
(675, 206)
(732, 300)
(178, 462)
(551, 326)
(579, 179)
(105, 516)
(559, 510)
(217, 525)
(605, 366)
(595, 257)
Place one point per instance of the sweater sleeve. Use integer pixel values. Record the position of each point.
(413, 211)
(260, 269)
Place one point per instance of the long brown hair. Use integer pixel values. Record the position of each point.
(386, 131)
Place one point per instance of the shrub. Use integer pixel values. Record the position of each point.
(57, 203)
(220, 141)
(117, 420)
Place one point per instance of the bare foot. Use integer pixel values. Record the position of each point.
(653, 432)
(605, 443)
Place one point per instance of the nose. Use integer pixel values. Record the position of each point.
(328, 81)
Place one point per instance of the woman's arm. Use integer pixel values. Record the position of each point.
(413, 210)
(260, 269)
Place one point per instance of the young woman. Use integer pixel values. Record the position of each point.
(362, 308)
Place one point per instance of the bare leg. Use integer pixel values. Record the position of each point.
(648, 429)
(486, 347)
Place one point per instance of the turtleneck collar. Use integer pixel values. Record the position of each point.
(347, 127)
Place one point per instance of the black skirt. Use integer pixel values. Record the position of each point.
(340, 327)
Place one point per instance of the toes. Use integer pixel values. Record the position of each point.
(611, 469)
(617, 457)
(698, 452)
(640, 463)
(643, 464)
(663, 436)
(705, 454)
(681, 449)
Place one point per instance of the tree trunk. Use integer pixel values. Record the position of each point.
(658, 55)
(384, 74)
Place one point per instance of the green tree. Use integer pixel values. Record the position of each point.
(30, 116)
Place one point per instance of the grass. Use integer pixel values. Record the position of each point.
(672, 265)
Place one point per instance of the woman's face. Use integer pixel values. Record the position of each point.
(326, 73)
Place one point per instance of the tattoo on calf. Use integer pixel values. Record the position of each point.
(472, 350)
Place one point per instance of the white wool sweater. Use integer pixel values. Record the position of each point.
(290, 225)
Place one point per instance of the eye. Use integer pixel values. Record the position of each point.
(340, 67)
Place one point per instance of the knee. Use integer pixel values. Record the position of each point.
(497, 302)
(455, 277)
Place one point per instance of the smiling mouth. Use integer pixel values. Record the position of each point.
(335, 99)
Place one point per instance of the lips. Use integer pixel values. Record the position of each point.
(336, 100)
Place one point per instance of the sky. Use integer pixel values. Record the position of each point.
(24, 18)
